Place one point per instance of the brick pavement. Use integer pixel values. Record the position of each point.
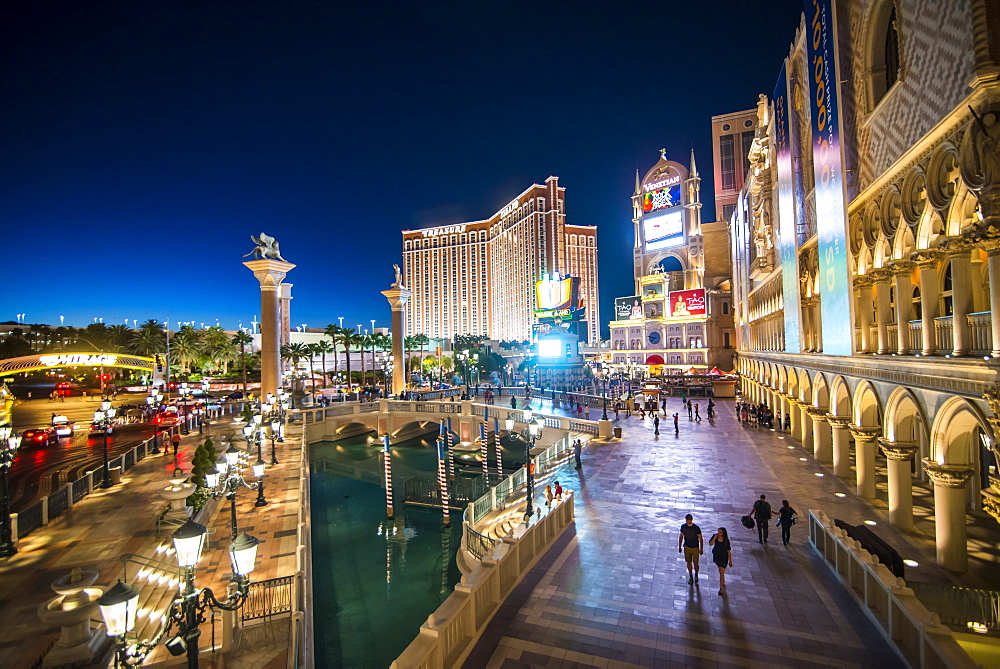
(109, 523)
(614, 592)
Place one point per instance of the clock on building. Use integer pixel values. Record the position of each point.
(653, 337)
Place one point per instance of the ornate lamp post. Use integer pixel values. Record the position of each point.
(119, 604)
(8, 449)
(104, 417)
(228, 478)
(202, 417)
(530, 436)
(152, 406)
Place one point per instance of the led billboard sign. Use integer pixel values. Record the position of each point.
(662, 198)
(687, 303)
(663, 231)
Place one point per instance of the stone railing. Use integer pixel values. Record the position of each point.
(916, 633)
(450, 633)
(944, 329)
(916, 330)
(980, 333)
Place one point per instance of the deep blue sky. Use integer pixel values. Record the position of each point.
(144, 141)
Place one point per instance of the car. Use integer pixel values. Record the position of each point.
(98, 428)
(62, 425)
(234, 396)
(166, 418)
(41, 436)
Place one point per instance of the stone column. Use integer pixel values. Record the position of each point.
(270, 274)
(961, 296)
(805, 426)
(864, 458)
(795, 417)
(927, 261)
(993, 269)
(881, 277)
(822, 438)
(898, 455)
(949, 514)
(398, 297)
(841, 444)
(902, 270)
(863, 295)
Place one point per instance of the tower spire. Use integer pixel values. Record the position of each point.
(694, 165)
(636, 181)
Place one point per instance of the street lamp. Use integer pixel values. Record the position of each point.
(534, 431)
(119, 604)
(8, 449)
(103, 418)
(228, 477)
(204, 407)
(603, 376)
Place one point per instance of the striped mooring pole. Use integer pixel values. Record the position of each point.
(443, 480)
(387, 459)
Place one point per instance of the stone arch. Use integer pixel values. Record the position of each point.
(667, 255)
(782, 379)
(821, 392)
(905, 417)
(882, 253)
(867, 405)
(805, 386)
(954, 435)
(929, 228)
(961, 215)
(840, 397)
(877, 22)
(793, 382)
(903, 242)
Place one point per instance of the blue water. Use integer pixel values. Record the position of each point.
(375, 580)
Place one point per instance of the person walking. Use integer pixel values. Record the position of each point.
(548, 495)
(722, 555)
(690, 409)
(577, 450)
(692, 544)
(513, 402)
(786, 518)
(656, 425)
(762, 513)
(617, 407)
(175, 441)
(558, 491)
(677, 427)
(697, 416)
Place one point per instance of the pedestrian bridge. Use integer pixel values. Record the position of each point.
(403, 420)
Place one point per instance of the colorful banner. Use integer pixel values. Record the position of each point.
(828, 160)
(627, 308)
(687, 303)
(787, 251)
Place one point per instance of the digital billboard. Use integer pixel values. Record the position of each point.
(786, 214)
(663, 231)
(557, 297)
(661, 198)
(550, 348)
(627, 308)
(687, 303)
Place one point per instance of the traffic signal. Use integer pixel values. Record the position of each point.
(159, 363)
(104, 377)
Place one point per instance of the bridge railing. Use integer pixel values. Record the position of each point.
(65, 497)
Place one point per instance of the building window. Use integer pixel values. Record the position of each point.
(725, 340)
(883, 57)
(725, 308)
(947, 303)
(891, 53)
(728, 162)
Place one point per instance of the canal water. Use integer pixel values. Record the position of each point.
(375, 581)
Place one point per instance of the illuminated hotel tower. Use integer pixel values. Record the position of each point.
(478, 277)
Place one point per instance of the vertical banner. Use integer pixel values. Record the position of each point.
(787, 248)
(828, 159)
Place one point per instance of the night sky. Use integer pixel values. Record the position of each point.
(144, 141)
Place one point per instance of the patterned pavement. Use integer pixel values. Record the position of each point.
(614, 592)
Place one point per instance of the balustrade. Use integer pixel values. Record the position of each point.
(944, 333)
(981, 333)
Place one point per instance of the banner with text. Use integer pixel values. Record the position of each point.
(828, 160)
(687, 303)
(788, 256)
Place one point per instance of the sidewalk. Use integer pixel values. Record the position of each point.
(615, 592)
(110, 523)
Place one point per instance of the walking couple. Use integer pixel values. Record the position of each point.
(693, 545)
(762, 514)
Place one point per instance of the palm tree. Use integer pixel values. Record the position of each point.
(148, 340)
(384, 344)
(224, 354)
(332, 332)
(294, 353)
(120, 336)
(185, 348)
(241, 339)
(363, 342)
(421, 340)
(345, 337)
(321, 348)
(215, 343)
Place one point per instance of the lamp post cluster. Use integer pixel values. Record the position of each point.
(104, 419)
(203, 415)
(531, 433)
(119, 604)
(227, 478)
(154, 400)
(185, 394)
(8, 449)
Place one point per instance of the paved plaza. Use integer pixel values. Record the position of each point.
(614, 592)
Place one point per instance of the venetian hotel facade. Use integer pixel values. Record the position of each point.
(866, 257)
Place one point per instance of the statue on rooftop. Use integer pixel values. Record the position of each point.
(266, 247)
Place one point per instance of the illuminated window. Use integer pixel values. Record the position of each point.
(727, 159)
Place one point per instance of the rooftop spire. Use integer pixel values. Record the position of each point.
(694, 165)
(637, 181)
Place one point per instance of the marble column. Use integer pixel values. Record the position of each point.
(794, 417)
(822, 437)
(949, 514)
(993, 270)
(902, 271)
(883, 310)
(898, 455)
(863, 295)
(270, 274)
(865, 447)
(961, 296)
(805, 426)
(927, 261)
(841, 444)
(398, 296)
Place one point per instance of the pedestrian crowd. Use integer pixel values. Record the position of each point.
(756, 414)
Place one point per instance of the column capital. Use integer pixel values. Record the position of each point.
(991, 502)
(956, 247)
(816, 413)
(946, 476)
(865, 432)
(925, 258)
(901, 266)
(398, 297)
(841, 422)
(992, 397)
(900, 451)
(880, 274)
(863, 281)
(270, 273)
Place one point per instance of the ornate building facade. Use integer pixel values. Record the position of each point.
(866, 255)
(680, 316)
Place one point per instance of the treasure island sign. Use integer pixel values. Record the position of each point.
(30, 363)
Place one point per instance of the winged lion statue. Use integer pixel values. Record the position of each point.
(266, 247)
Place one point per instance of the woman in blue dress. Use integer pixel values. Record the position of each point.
(722, 555)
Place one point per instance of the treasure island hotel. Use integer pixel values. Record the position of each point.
(478, 277)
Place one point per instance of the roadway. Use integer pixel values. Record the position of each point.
(38, 470)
